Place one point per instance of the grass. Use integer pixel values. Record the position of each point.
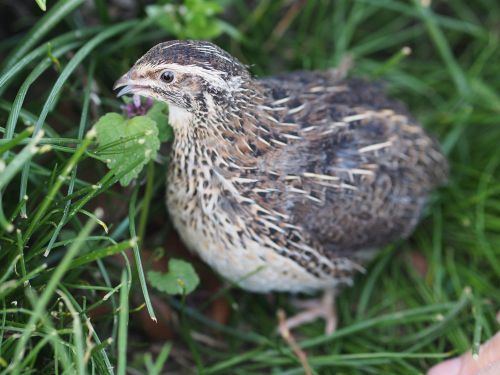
(70, 302)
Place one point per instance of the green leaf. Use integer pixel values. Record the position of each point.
(181, 278)
(126, 142)
(193, 19)
(158, 113)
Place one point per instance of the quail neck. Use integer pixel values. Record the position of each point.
(290, 182)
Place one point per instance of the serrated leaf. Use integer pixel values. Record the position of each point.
(181, 278)
(158, 113)
(126, 142)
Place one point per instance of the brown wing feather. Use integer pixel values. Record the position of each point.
(364, 166)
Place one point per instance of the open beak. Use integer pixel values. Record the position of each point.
(126, 84)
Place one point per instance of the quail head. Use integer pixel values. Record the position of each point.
(290, 182)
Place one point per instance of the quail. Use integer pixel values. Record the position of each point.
(287, 183)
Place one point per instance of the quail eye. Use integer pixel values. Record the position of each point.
(167, 76)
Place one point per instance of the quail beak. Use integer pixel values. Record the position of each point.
(126, 84)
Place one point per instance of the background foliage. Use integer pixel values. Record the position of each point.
(70, 300)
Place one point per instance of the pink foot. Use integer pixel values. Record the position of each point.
(323, 308)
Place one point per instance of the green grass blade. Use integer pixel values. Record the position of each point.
(443, 47)
(67, 71)
(16, 141)
(148, 194)
(21, 94)
(40, 29)
(57, 185)
(123, 325)
(20, 160)
(78, 357)
(95, 255)
(81, 130)
(69, 37)
(55, 336)
(161, 359)
(42, 4)
(98, 352)
(137, 256)
(41, 304)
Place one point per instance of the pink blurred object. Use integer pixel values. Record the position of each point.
(138, 106)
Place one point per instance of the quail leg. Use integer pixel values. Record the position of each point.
(313, 309)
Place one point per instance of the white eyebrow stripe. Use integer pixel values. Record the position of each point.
(215, 51)
(171, 45)
(212, 76)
